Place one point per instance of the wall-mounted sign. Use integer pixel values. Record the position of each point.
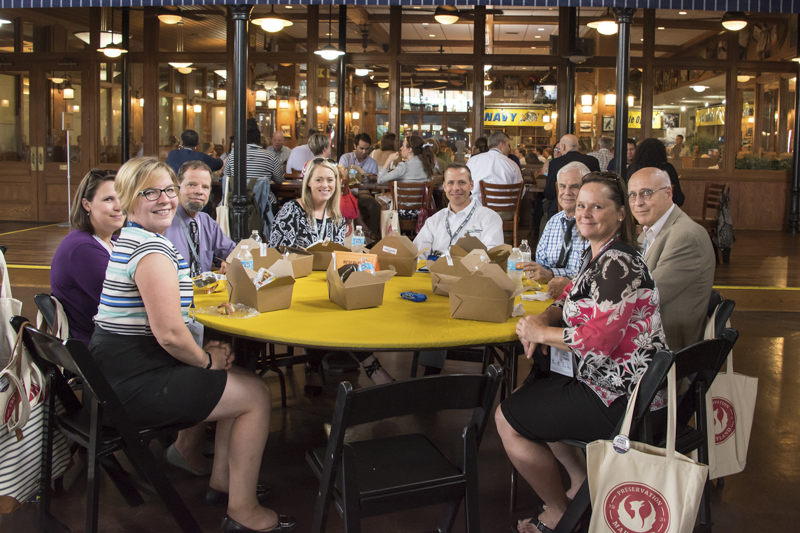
(514, 117)
(635, 120)
(710, 116)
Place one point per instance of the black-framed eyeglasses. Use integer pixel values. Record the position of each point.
(319, 160)
(645, 194)
(611, 177)
(154, 194)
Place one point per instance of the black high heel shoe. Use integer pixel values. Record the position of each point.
(285, 524)
(217, 498)
(312, 390)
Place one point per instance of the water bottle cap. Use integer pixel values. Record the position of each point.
(358, 227)
(515, 249)
(245, 247)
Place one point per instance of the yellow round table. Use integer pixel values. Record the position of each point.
(397, 325)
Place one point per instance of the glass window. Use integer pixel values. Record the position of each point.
(367, 29)
(361, 100)
(422, 34)
(7, 37)
(14, 124)
(291, 38)
(61, 100)
(674, 39)
(538, 37)
(200, 32)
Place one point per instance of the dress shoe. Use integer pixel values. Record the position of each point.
(174, 458)
(285, 525)
(217, 498)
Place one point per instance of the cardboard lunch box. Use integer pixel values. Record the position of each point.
(486, 295)
(301, 260)
(445, 273)
(272, 297)
(322, 253)
(397, 252)
(360, 291)
(468, 243)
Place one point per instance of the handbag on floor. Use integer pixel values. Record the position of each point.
(646, 488)
(9, 307)
(730, 404)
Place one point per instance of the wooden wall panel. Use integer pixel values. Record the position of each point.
(17, 193)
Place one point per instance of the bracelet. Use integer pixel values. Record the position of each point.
(208, 366)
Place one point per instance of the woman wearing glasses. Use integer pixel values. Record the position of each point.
(79, 265)
(142, 343)
(609, 327)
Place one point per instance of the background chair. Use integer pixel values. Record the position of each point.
(711, 201)
(378, 476)
(504, 199)
(102, 427)
(408, 197)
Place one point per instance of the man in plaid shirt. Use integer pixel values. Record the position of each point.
(603, 153)
(558, 254)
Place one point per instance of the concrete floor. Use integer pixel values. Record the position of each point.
(762, 498)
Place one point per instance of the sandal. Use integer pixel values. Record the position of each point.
(539, 526)
(312, 390)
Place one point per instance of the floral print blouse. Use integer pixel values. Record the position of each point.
(291, 228)
(613, 321)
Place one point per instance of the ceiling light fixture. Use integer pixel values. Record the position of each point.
(383, 84)
(111, 49)
(446, 15)
(699, 88)
(272, 23)
(284, 104)
(734, 20)
(742, 78)
(272, 103)
(69, 92)
(198, 108)
(329, 52)
(587, 109)
(605, 25)
(630, 101)
(261, 93)
(611, 99)
(586, 100)
(168, 18)
(356, 115)
(363, 71)
(183, 68)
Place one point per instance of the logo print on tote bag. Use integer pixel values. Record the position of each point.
(724, 419)
(636, 508)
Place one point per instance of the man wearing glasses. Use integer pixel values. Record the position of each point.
(679, 254)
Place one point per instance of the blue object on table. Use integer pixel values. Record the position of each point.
(413, 296)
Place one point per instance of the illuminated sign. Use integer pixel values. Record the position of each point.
(710, 116)
(635, 120)
(514, 117)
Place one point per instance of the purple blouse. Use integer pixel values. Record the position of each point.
(76, 279)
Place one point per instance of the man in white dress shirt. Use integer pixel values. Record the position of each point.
(278, 149)
(494, 166)
(464, 215)
(300, 155)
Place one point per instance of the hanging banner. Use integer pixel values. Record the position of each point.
(635, 120)
(710, 116)
(515, 117)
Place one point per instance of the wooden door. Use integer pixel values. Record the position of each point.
(18, 154)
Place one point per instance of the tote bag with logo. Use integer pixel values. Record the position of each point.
(647, 489)
(9, 307)
(730, 404)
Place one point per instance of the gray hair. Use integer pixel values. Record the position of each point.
(573, 166)
(497, 138)
(606, 142)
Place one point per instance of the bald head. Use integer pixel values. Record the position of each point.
(656, 184)
(277, 140)
(569, 142)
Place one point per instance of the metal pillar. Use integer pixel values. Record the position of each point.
(240, 15)
(572, 44)
(340, 82)
(794, 192)
(624, 18)
(126, 87)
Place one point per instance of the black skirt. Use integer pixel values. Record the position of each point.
(155, 388)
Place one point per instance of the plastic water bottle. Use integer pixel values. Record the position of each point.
(525, 250)
(256, 237)
(366, 266)
(514, 268)
(352, 175)
(358, 239)
(245, 257)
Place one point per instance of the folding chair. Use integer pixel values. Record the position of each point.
(504, 198)
(378, 476)
(102, 427)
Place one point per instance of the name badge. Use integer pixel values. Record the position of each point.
(263, 249)
(390, 250)
(561, 362)
(196, 329)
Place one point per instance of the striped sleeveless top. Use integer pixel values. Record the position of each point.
(121, 309)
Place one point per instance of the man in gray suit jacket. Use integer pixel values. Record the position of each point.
(679, 254)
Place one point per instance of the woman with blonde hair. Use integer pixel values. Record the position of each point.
(146, 351)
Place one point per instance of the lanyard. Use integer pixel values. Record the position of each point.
(192, 245)
(320, 235)
(461, 227)
(586, 261)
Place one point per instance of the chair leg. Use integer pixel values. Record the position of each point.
(47, 459)
(574, 513)
(121, 481)
(512, 503)
(352, 517)
(414, 364)
(92, 461)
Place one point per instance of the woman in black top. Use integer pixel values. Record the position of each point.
(653, 153)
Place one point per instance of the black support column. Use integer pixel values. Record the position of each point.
(240, 15)
(340, 82)
(126, 87)
(794, 192)
(572, 44)
(624, 18)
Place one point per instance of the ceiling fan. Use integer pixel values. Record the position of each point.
(451, 14)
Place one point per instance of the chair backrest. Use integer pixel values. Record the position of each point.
(408, 195)
(723, 309)
(700, 363)
(501, 197)
(423, 395)
(711, 196)
(651, 382)
(47, 307)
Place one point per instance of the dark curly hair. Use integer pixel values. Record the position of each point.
(650, 153)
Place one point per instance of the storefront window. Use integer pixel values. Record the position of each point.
(7, 40)
(63, 101)
(532, 38)
(422, 34)
(691, 104)
(14, 124)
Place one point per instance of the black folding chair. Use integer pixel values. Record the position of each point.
(378, 476)
(101, 426)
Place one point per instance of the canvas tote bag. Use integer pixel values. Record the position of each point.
(223, 218)
(9, 307)
(647, 489)
(730, 404)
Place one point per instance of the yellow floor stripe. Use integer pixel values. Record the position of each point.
(30, 267)
(755, 288)
(29, 229)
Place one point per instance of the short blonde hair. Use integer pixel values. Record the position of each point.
(136, 175)
(333, 201)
